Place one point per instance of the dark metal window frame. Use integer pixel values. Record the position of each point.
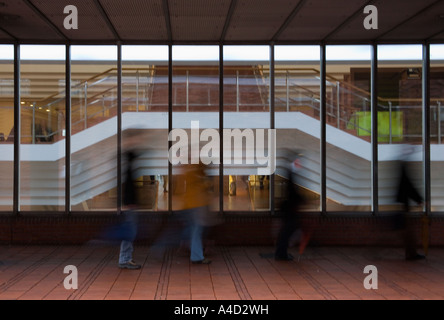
(323, 209)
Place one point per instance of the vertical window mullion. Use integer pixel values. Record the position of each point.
(323, 134)
(426, 125)
(68, 129)
(374, 128)
(119, 128)
(272, 127)
(221, 128)
(170, 125)
(17, 110)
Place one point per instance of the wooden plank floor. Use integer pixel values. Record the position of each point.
(237, 273)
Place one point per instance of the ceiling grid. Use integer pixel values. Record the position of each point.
(221, 21)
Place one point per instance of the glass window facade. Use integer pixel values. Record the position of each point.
(195, 110)
(6, 126)
(246, 113)
(399, 121)
(297, 121)
(348, 123)
(94, 105)
(42, 119)
(145, 117)
(436, 126)
(257, 105)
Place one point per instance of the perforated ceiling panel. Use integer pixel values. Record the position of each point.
(422, 26)
(390, 14)
(258, 19)
(317, 18)
(438, 37)
(4, 36)
(137, 19)
(199, 20)
(204, 20)
(91, 25)
(24, 24)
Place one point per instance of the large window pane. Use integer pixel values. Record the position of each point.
(348, 128)
(145, 116)
(436, 130)
(42, 146)
(399, 119)
(6, 126)
(297, 102)
(196, 114)
(94, 128)
(247, 120)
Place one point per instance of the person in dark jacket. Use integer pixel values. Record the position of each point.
(407, 192)
(290, 219)
(130, 202)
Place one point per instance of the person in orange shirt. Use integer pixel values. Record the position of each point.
(195, 208)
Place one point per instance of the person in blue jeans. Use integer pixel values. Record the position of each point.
(129, 231)
(195, 209)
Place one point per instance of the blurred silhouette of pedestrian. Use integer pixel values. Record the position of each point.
(11, 135)
(290, 216)
(42, 132)
(130, 202)
(195, 210)
(406, 193)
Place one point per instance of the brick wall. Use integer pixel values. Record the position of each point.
(235, 229)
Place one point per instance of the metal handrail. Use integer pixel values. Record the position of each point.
(312, 95)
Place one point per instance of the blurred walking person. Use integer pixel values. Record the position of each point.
(130, 202)
(195, 209)
(290, 219)
(405, 194)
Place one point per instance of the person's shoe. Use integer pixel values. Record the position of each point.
(129, 265)
(204, 261)
(415, 257)
(288, 257)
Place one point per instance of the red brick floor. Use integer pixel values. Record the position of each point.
(237, 273)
